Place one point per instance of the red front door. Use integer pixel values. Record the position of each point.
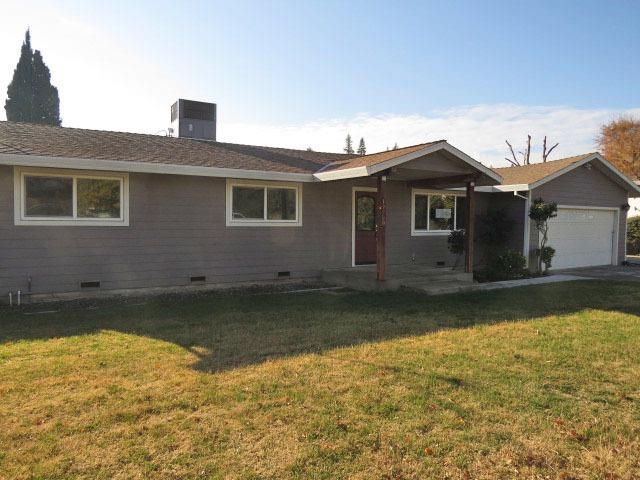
(365, 231)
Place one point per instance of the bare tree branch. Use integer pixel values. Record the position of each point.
(512, 162)
(526, 153)
(515, 160)
(545, 152)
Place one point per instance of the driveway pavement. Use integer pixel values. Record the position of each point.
(609, 272)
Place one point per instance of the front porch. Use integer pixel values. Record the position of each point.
(440, 182)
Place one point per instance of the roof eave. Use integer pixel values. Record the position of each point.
(146, 167)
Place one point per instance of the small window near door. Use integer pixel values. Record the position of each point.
(436, 213)
(441, 212)
(365, 213)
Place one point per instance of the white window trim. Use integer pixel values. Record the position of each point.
(428, 192)
(235, 222)
(19, 174)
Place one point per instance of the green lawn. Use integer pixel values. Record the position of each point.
(537, 382)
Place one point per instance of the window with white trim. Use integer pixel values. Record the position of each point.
(437, 212)
(263, 203)
(66, 197)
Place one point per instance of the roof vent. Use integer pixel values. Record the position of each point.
(190, 119)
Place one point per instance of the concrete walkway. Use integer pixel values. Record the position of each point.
(607, 272)
(523, 282)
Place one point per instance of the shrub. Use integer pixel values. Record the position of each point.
(494, 230)
(546, 255)
(540, 212)
(633, 236)
(506, 266)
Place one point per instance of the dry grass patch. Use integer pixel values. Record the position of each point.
(538, 382)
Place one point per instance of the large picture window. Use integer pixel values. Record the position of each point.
(437, 212)
(63, 197)
(269, 204)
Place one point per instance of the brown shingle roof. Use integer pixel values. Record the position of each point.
(375, 158)
(528, 174)
(30, 139)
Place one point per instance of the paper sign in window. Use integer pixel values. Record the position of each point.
(443, 213)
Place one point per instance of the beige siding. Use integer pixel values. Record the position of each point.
(584, 187)
(177, 230)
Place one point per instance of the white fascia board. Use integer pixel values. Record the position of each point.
(144, 167)
(517, 187)
(520, 187)
(342, 174)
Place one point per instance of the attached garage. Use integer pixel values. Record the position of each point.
(583, 237)
(592, 198)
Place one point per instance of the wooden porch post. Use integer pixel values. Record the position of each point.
(470, 227)
(381, 224)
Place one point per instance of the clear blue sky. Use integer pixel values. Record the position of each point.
(301, 60)
(290, 62)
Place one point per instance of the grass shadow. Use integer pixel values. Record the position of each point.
(228, 331)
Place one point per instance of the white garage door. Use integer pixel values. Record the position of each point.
(582, 237)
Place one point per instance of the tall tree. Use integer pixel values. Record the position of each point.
(362, 149)
(619, 141)
(395, 146)
(348, 145)
(30, 96)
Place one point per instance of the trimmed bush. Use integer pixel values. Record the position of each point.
(546, 255)
(633, 236)
(506, 266)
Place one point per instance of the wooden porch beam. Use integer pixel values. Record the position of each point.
(443, 181)
(381, 225)
(470, 227)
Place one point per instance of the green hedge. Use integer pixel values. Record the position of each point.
(633, 236)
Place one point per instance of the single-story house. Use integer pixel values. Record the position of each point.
(85, 210)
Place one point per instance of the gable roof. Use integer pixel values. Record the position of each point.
(528, 174)
(528, 177)
(377, 162)
(75, 143)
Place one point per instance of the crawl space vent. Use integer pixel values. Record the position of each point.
(198, 279)
(284, 274)
(93, 284)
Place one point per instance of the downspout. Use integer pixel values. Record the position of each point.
(526, 225)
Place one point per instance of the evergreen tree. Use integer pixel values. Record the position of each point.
(395, 146)
(30, 95)
(362, 149)
(348, 145)
(46, 100)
